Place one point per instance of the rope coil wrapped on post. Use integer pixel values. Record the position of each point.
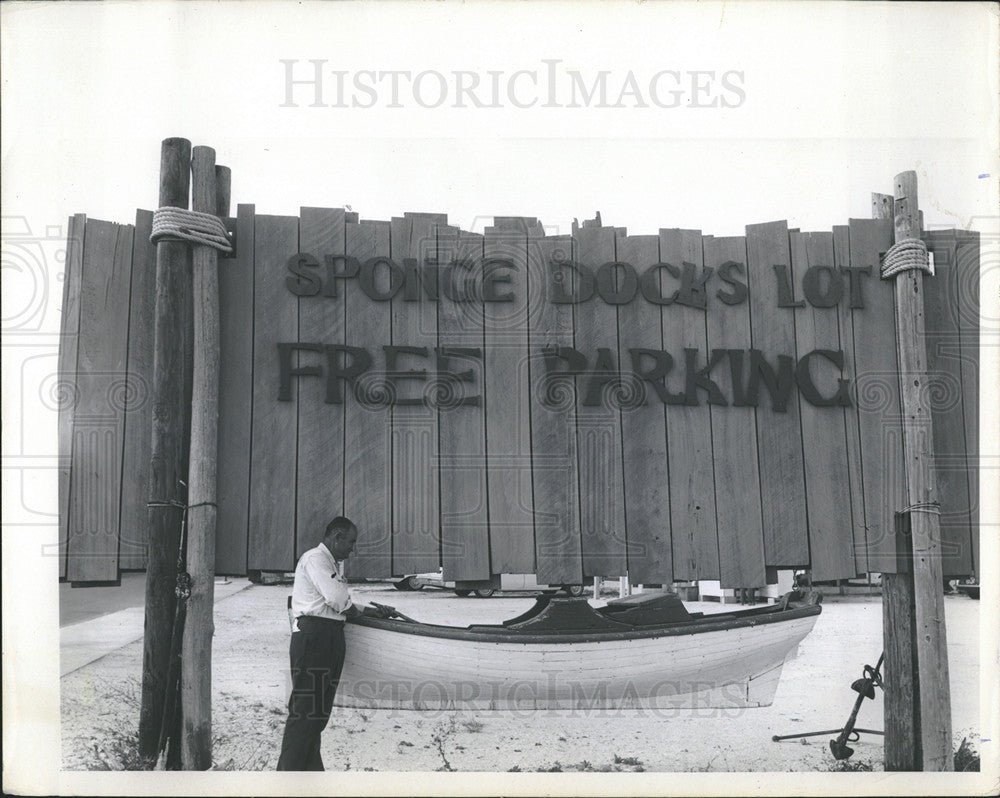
(910, 253)
(933, 507)
(192, 226)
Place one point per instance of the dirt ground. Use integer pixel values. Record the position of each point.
(100, 702)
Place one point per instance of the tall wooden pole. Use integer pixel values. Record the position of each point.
(918, 694)
(171, 728)
(921, 494)
(900, 673)
(169, 461)
(196, 670)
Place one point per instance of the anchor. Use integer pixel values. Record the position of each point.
(865, 688)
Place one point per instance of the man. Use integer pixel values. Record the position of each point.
(320, 604)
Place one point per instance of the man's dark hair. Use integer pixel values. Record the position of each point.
(339, 526)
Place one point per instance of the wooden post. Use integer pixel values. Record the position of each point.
(924, 522)
(917, 682)
(223, 187)
(900, 673)
(169, 462)
(196, 672)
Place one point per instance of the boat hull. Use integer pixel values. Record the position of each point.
(734, 665)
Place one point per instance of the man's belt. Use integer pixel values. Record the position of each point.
(305, 621)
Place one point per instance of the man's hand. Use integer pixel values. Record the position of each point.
(378, 611)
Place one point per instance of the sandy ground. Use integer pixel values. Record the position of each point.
(100, 702)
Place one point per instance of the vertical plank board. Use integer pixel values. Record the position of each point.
(734, 438)
(271, 542)
(69, 332)
(901, 674)
(138, 398)
(508, 422)
(877, 375)
(553, 432)
(598, 425)
(645, 471)
(967, 301)
(779, 434)
(236, 339)
(944, 390)
(416, 507)
(852, 431)
(319, 482)
(694, 532)
(824, 436)
(460, 405)
(98, 423)
(367, 414)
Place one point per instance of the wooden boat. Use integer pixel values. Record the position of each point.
(641, 651)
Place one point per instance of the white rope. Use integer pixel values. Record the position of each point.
(910, 253)
(193, 226)
(934, 508)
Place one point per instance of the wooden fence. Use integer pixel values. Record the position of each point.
(685, 421)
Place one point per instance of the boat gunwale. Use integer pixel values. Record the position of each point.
(751, 618)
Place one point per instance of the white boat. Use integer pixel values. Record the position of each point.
(643, 651)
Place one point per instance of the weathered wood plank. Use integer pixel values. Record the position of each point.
(416, 507)
(368, 488)
(508, 422)
(271, 542)
(877, 377)
(842, 256)
(694, 531)
(598, 422)
(236, 337)
(319, 484)
(734, 438)
(644, 433)
(69, 333)
(967, 299)
(553, 431)
(138, 415)
(900, 673)
(779, 437)
(98, 423)
(461, 409)
(944, 393)
(824, 430)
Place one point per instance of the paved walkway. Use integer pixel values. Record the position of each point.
(83, 603)
(83, 642)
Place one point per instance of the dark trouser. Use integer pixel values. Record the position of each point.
(317, 657)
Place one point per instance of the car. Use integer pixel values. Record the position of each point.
(484, 588)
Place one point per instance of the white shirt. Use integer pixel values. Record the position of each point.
(320, 587)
